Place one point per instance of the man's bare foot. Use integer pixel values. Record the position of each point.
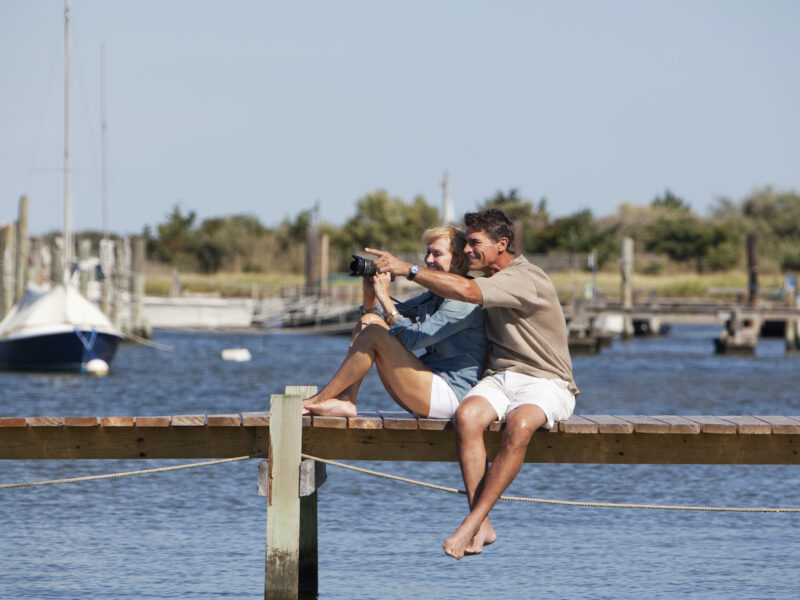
(331, 407)
(486, 535)
(457, 543)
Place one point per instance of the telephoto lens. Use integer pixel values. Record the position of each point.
(363, 267)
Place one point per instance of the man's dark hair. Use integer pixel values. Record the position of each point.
(494, 223)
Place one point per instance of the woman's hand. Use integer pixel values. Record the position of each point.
(380, 283)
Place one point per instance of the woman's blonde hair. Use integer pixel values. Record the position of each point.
(459, 263)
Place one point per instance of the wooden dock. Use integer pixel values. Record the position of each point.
(290, 482)
(391, 436)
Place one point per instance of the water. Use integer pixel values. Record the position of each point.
(200, 533)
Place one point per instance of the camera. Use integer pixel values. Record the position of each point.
(363, 267)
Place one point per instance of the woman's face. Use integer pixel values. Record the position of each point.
(438, 256)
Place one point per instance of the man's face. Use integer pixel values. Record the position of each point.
(481, 251)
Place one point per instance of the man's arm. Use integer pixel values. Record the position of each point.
(446, 285)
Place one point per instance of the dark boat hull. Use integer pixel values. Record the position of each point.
(57, 352)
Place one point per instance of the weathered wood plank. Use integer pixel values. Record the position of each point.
(224, 420)
(188, 420)
(13, 422)
(578, 424)
(610, 424)
(646, 424)
(749, 425)
(81, 421)
(153, 421)
(679, 424)
(255, 419)
(434, 424)
(782, 425)
(365, 421)
(329, 422)
(713, 424)
(117, 421)
(398, 420)
(45, 421)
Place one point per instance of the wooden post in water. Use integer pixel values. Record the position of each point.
(57, 260)
(752, 270)
(6, 269)
(790, 328)
(84, 249)
(291, 558)
(23, 249)
(324, 267)
(312, 259)
(626, 270)
(137, 290)
(107, 265)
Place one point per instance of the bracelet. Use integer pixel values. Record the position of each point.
(394, 313)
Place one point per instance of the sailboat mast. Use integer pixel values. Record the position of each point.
(67, 224)
(104, 130)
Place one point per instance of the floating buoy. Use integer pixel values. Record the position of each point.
(236, 354)
(96, 366)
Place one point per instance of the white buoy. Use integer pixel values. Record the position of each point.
(96, 366)
(236, 354)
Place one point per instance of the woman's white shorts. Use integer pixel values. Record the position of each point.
(506, 391)
(444, 401)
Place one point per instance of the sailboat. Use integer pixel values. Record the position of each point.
(58, 329)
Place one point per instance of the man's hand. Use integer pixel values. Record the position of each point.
(387, 263)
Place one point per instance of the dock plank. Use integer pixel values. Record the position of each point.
(714, 424)
(188, 420)
(329, 422)
(13, 422)
(398, 420)
(679, 424)
(782, 425)
(81, 421)
(749, 425)
(646, 424)
(117, 421)
(368, 420)
(233, 420)
(578, 424)
(45, 421)
(610, 424)
(429, 424)
(153, 421)
(255, 419)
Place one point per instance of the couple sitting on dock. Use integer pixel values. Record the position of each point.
(528, 381)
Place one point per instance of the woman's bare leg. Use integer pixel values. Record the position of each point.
(406, 378)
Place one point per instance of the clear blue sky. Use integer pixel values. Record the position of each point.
(265, 107)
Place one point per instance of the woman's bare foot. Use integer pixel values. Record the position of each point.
(330, 407)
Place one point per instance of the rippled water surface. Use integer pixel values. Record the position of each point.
(200, 533)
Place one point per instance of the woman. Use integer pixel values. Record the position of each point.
(452, 332)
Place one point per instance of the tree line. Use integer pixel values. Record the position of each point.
(668, 235)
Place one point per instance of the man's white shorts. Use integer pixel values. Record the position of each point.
(506, 391)
(444, 401)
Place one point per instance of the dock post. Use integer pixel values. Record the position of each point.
(23, 249)
(291, 558)
(84, 249)
(6, 269)
(626, 268)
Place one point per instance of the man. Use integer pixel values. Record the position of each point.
(528, 382)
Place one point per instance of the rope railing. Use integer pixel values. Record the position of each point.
(409, 481)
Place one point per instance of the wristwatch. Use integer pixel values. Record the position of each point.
(412, 272)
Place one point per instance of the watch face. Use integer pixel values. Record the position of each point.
(412, 271)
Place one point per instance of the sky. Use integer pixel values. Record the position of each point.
(266, 108)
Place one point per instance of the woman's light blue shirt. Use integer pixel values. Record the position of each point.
(452, 334)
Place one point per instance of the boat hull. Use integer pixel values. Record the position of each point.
(66, 351)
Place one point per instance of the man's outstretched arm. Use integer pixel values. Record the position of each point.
(446, 285)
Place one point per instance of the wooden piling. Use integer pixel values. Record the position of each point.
(57, 260)
(626, 270)
(752, 270)
(6, 269)
(84, 250)
(23, 250)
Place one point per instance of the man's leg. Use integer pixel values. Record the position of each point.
(520, 425)
(472, 417)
